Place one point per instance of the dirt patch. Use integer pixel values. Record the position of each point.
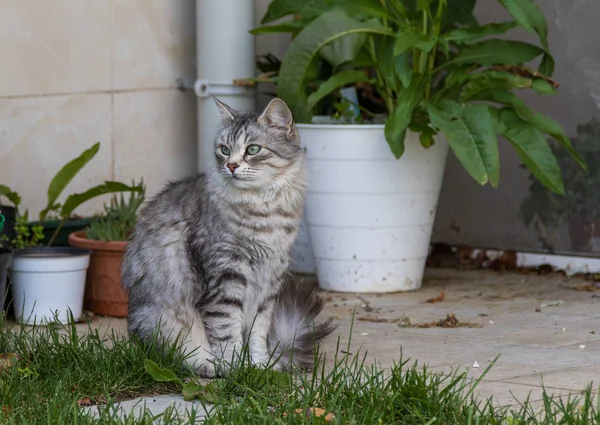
(375, 319)
(449, 322)
(588, 287)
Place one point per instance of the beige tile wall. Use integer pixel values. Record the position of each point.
(75, 72)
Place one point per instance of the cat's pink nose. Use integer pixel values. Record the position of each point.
(232, 166)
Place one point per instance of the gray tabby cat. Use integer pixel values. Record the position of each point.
(208, 259)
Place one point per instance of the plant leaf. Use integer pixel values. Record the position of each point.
(466, 35)
(65, 175)
(491, 52)
(533, 150)
(335, 82)
(323, 30)
(398, 121)
(459, 12)
(343, 49)
(470, 133)
(403, 69)
(276, 377)
(478, 120)
(499, 126)
(426, 140)
(391, 67)
(308, 9)
(493, 80)
(191, 391)
(76, 199)
(549, 126)
(11, 195)
(373, 8)
(547, 65)
(542, 87)
(160, 374)
(405, 40)
(457, 76)
(541, 122)
(425, 43)
(529, 16)
(284, 27)
(508, 99)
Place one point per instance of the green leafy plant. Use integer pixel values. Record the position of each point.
(435, 69)
(119, 217)
(579, 207)
(27, 235)
(213, 391)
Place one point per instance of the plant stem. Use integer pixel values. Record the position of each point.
(383, 3)
(424, 30)
(362, 108)
(437, 28)
(55, 234)
(385, 91)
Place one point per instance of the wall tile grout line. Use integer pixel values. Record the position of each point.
(89, 92)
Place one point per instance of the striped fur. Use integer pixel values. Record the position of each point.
(207, 260)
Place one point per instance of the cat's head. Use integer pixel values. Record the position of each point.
(252, 150)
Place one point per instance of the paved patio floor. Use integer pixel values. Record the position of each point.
(544, 330)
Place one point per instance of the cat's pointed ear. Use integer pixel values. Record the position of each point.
(277, 114)
(227, 112)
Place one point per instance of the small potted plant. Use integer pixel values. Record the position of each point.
(431, 78)
(47, 281)
(8, 215)
(579, 207)
(107, 237)
(5, 260)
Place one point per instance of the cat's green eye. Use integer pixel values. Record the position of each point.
(225, 150)
(253, 149)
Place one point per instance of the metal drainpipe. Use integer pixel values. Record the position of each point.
(225, 52)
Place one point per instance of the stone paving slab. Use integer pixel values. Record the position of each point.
(534, 344)
(192, 411)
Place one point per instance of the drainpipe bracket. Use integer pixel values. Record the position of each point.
(210, 88)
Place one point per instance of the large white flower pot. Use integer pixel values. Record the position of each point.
(49, 282)
(303, 259)
(370, 216)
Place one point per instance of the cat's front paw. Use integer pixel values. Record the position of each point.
(207, 371)
(266, 361)
(212, 370)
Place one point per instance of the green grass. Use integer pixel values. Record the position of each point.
(56, 368)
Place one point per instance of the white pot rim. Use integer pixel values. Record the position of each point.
(50, 259)
(342, 126)
(50, 252)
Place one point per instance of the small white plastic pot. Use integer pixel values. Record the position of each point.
(370, 215)
(49, 282)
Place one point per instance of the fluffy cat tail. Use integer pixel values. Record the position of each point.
(295, 332)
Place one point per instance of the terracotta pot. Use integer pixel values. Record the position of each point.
(104, 294)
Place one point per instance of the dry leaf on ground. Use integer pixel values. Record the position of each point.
(374, 319)
(314, 411)
(587, 288)
(7, 360)
(85, 401)
(449, 322)
(506, 261)
(437, 299)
